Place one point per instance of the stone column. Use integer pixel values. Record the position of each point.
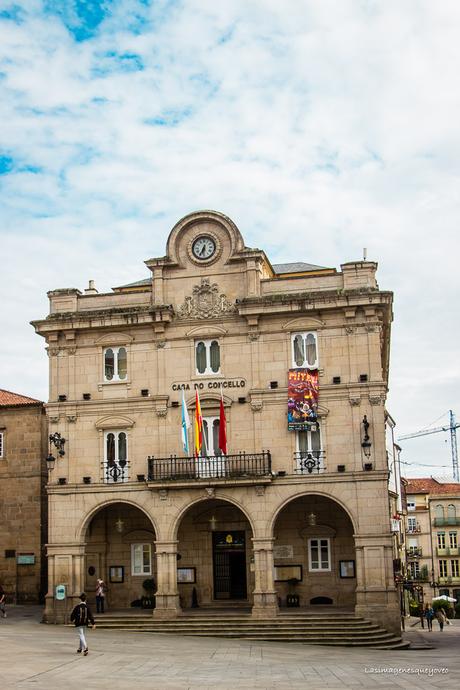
(376, 592)
(65, 567)
(167, 594)
(265, 597)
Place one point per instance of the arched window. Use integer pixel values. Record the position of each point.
(115, 364)
(439, 512)
(207, 357)
(451, 513)
(116, 457)
(304, 350)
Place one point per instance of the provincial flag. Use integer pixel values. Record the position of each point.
(185, 425)
(198, 426)
(222, 426)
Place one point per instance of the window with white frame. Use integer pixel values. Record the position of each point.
(414, 570)
(443, 568)
(453, 543)
(441, 540)
(207, 357)
(319, 554)
(115, 364)
(141, 559)
(115, 456)
(455, 567)
(410, 505)
(309, 451)
(1, 444)
(305, 350)
(411, 524)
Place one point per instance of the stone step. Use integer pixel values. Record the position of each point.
(160, 626)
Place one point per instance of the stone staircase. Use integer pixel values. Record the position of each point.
(338, 629)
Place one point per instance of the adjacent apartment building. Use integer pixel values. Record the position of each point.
(23, 502)
(279, 485)
(433, 536)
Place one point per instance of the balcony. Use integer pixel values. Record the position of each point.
(414, 552)
(239, 466)
(413, 529)
(447, 551)
(449, 580)
(309, 461)
(446, 522)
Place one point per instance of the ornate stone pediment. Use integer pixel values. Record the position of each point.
(206, 302)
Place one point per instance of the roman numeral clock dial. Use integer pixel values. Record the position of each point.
(203, 247)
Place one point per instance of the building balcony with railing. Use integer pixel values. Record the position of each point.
(413, 529)
(446, 521)
(309, 462)
(449, 580)
(239, 466)
(414, 552)
(447, 551)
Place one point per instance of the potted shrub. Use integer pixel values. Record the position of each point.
(148, 601)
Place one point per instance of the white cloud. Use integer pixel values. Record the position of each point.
(330, 124)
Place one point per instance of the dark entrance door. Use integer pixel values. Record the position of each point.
(229, 559)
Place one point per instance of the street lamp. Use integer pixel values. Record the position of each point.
(58, 441)
(366, 443)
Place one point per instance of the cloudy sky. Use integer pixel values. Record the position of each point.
(319, 126)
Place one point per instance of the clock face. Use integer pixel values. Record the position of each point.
(203, 247)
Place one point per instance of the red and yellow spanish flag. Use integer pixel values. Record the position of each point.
(198, 426)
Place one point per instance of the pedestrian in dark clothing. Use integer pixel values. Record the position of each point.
(2, 602)
(429, 615)
(441, 616)
(82, 617)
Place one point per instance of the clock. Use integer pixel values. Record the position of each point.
(203, 247)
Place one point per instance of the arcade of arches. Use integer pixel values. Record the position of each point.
(213, 553)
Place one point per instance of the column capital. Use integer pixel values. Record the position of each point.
(263, 543)
(166, 546)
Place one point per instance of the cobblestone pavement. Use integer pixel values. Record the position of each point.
(44, 656)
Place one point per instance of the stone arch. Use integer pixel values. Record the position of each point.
(236, 239)
(302, 494)
(176, 521)
(85, 521)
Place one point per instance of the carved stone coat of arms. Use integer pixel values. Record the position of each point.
(206, 302)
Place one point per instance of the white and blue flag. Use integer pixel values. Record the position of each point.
(185, 425)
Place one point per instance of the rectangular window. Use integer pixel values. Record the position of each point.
(410, 505)
(115, 364)
(319, 557)
(115, 456)
(443, 568)
(414, 570)
(304, 350)
(453, 543)
(207, 357)
(411, 524)
(454, 565)
(141, 559)
(1, 444)
(441, 540)
(309, 455)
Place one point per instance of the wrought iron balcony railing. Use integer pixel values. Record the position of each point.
(445, 522)
(309, 461)
(414, 552)
(240, 466)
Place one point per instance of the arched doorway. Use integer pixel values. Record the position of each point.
(314, 554)
(120, 549)
(215, 556)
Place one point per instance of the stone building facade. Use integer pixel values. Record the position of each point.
(433, 536)
(302, 512)
(23, 500)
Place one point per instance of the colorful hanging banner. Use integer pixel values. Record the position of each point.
(302, 399)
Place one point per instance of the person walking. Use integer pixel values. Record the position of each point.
(100, 595)
(2, 602)
(429, 615)
(82, 617)
(441, 616)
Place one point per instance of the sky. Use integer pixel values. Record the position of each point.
(319, 126)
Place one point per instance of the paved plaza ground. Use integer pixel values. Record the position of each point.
(44, 656)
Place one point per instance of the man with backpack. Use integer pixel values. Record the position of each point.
(82, 617)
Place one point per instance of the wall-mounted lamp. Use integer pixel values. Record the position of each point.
(212, 523)
(366, 444)
(58, 441)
